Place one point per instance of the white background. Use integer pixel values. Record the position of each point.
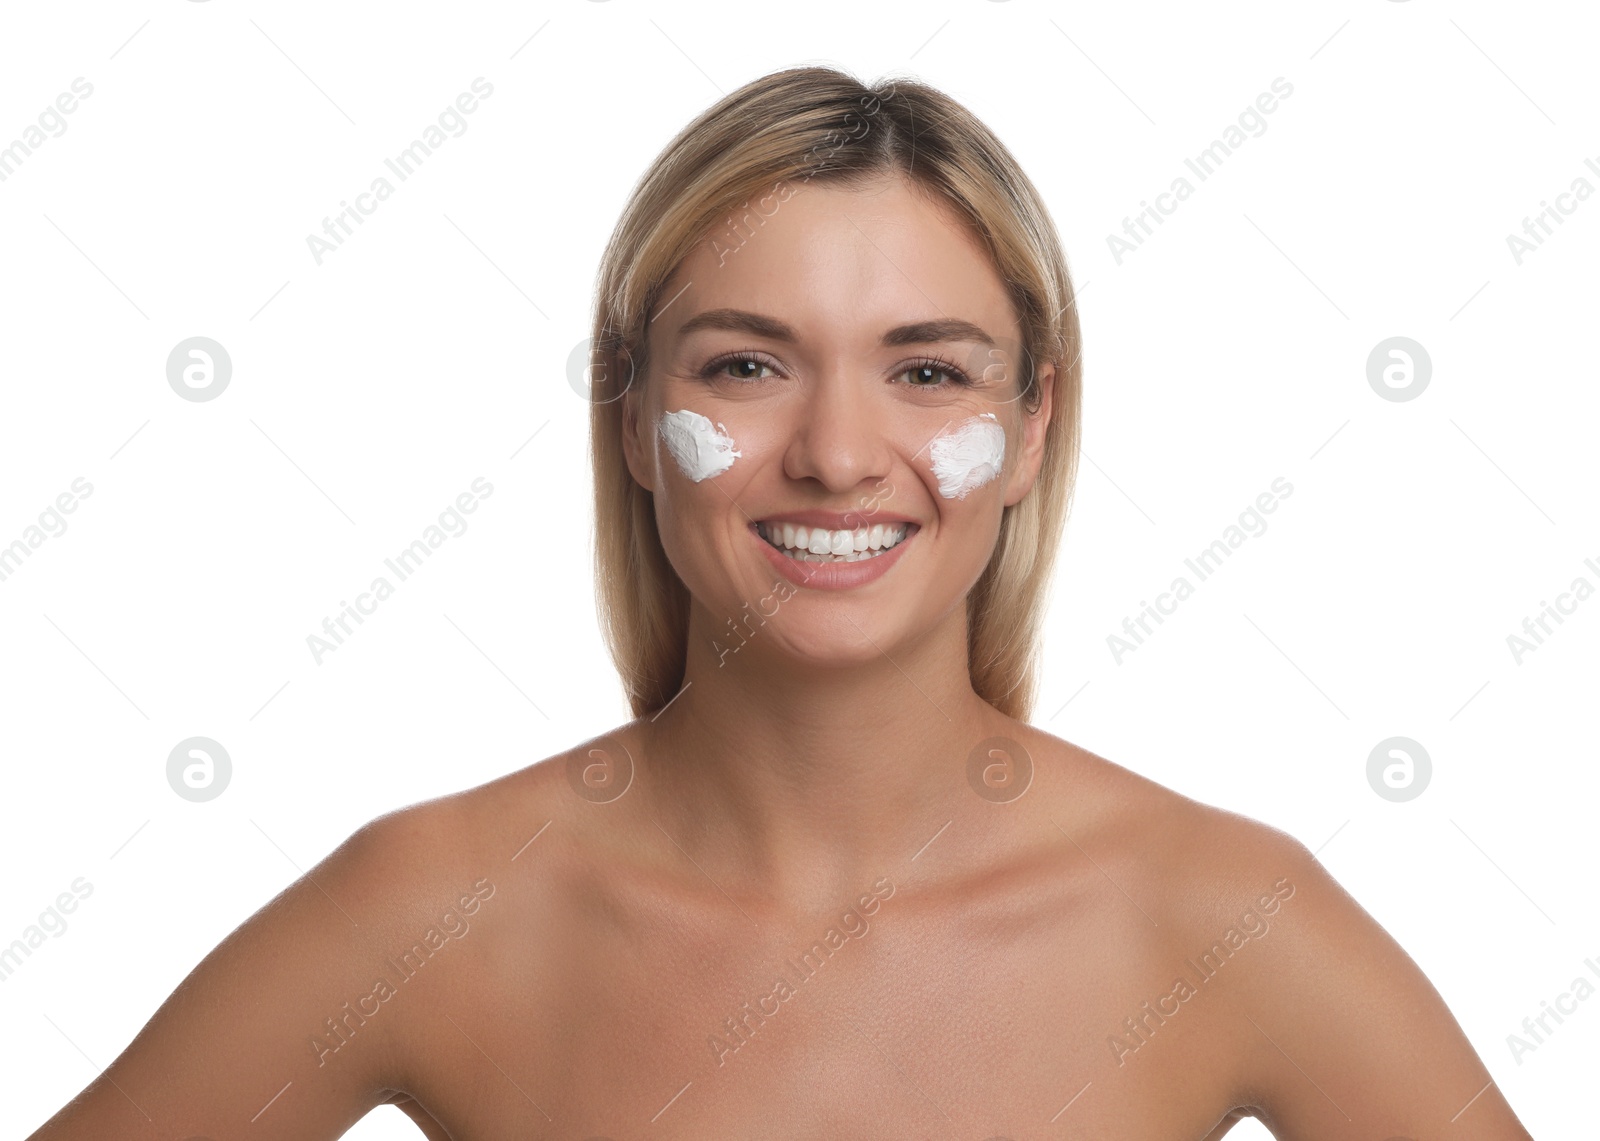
(369, 391)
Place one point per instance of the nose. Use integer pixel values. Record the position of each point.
(839, 437)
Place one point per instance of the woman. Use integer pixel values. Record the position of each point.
(829, 882)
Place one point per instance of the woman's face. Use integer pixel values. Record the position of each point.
(794, 396)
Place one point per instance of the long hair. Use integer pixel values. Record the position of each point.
(821, 124)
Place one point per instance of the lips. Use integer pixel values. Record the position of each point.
(778, 539)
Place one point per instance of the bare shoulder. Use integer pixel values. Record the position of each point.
(1203, 872)
(348, 977)
(536, 839)
(519, 816)
(299, 1002)
(1322, 1023)
(1188, 857)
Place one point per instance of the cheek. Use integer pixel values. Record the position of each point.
(968, 456)
(698, 516)
(701, 449)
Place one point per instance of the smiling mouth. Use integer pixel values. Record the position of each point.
(820, 545)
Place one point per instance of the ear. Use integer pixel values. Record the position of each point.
(1031, 454)
(637, 450)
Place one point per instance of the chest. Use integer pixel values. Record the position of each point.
(897, 1024)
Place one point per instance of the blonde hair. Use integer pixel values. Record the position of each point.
(818, 123)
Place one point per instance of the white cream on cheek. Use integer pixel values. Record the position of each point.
(969, 456)
(701, 449)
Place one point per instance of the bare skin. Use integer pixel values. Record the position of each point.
(789, 905)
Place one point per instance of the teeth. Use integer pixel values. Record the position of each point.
(817, 544)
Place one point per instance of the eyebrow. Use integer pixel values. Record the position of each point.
(914, 333)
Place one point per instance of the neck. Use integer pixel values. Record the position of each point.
(807, 780)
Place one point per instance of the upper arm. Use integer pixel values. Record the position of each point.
(1345, 1038)
(268, 1031)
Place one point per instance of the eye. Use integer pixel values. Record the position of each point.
(714, 369)
(919, 371)
(925, 373)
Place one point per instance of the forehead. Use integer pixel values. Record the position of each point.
(841, 265)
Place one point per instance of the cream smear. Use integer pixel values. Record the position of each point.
(701, 450)
(969, 456)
